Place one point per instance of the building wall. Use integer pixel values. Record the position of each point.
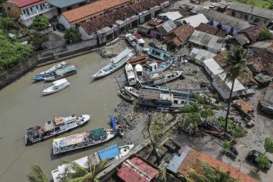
(62, 20)
(12, 10)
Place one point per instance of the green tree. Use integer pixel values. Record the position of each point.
(226, 146)
(37, 175)
(40, 23)
(262, 161)
(7, 23)
(268, 144)
(72, 35)
(37, 40)
(236, 61)
(265, 34)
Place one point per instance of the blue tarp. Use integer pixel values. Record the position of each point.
(109, 152)
(113, 122)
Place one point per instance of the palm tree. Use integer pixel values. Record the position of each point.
(236, 61)
(37, 175)
(80, 174)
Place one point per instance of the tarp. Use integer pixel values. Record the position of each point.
(109, 152)
(113, 122)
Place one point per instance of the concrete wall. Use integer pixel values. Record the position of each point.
(62, 20)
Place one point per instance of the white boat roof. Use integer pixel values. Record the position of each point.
(70, 140)
(60, 82)
(121, 55)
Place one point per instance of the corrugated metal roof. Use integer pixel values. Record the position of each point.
(109, 152)
(173, 15)
(64, 3)
(195, 20)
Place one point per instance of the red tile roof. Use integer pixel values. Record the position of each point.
(24, 3)
(180, 35)
(194, 160)
(137, 170)
(83, 12)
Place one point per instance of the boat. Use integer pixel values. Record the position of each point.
(158, 53)
(161, 78)
(158, 67)
(55, 127)
(109, 154)
(50, 71)
(130, 74)
(141, 59)
(56, 86)
(61, 73)
(115, 64)
(124, 95)
(82, 140)
(132, 91)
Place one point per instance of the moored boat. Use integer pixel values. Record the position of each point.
(50, 71)
(56, 86)
(130, 74)
(82, 140)
(115, 64)
(55, 127)
(111, 153)
(61, 73)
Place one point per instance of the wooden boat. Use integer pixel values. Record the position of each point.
(82, 140)
(53, 128)
(50, 71)
(109, 154)
(56, 86)
(125, 95)
(115, 64)
(61, 73)
(141, 59)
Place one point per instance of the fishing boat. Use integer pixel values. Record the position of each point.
(130, 74)
(115, 64)
(161, 78)
(55, 127)
(61, 73)
(82, 140)
(109, 154)
(158, 66)
(132, 91)
(56, 86)
(124, 95)
(141, 59)
(50, 71)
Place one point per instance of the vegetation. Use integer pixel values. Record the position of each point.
(12, 52)
(262, 161)
(268, 144)
(226, 146)
(37, 40)
(72, 35)
(259, 3)
(208, 174)
(37, 175)
(236, 59)
(7, 24)
(265, 34)
(234, 129)
(40, 23)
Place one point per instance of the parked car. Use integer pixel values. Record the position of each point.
(252, 159)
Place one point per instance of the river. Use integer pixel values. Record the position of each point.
(21, 106)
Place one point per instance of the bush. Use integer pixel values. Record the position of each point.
(265, 34)
(37, 40)
(234, 129)
(40, 23)
(72, 35)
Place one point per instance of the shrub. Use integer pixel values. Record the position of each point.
(40, 23)
(72, 35)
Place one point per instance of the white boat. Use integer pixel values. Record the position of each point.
(165, 77)
(131, 76)
(52, 69)
(132, 91)
(56, 86)
(116, 63)
(87, 161)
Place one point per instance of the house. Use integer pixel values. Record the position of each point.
(207, 41)
(211, 30)
(149, 28)
(200, 55)
(194, 20)
(105, 19)
(136, 169)
(166, 27)
(225, 22)
(249, 35)
(189, 159)
(64, 5)
(250, 13)
(219, 82)
(172, 15)
(27, 10)
(266, 103)
(179, 36)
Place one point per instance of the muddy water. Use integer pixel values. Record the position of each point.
(21, 106)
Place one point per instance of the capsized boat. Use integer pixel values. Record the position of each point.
(82, 140)
(111, 153)
(61, 73)
(55, 127)
(56, 86)
(116, 63)
(50, 71)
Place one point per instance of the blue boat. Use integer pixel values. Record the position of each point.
(109, 153)
(49, 72)
(158, 53)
